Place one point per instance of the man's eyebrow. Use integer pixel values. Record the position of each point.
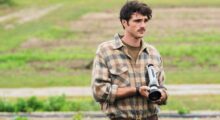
(145, 19)
(137, 18)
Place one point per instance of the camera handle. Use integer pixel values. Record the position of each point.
(155, 93)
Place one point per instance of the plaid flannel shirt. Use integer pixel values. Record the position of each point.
(113, 68)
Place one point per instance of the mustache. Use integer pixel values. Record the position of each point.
(141, 29)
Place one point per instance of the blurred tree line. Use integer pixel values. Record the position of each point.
(8, 2)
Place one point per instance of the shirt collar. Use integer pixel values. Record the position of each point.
(145, 46)
(118, 43)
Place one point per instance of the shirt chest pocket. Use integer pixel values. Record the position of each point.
(119, 76)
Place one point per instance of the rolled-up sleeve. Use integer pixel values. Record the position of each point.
(102, 88)
(161, 79)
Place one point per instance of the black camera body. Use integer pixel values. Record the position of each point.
(155, 93)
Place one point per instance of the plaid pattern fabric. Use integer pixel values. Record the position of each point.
(113, 68)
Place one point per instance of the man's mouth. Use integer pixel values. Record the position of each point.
(141, 31)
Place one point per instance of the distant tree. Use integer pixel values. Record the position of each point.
(8, 2)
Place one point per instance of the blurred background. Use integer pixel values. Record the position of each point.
(51, 44)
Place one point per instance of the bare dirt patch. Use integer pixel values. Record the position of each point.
(52, 65)
(97, 26)
(38, 43)
(168, 21)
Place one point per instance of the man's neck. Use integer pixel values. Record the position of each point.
(132, 41)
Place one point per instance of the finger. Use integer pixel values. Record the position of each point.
(146, 94)
(147, 88)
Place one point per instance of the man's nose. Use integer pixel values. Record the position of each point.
(143, 24)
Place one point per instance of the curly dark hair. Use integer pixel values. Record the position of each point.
(134, 6)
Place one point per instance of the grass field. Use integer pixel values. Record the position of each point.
(53, 47)
(186, 103)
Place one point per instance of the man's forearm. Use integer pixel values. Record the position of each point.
(125, 92)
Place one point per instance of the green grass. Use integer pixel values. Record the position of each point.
(62, 103)
(185, 36)
(185, 56)
(193, 76)
(43, 30)
(49, 27)
(193, 102)
(178, 3)
(54, 103)
(44, 77)
(23, 58)
(48, 75)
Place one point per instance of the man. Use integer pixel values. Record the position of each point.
(120, 78)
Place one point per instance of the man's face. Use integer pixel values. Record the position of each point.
(136, 26)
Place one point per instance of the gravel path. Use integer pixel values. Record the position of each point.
(197, 115)
(86, 91)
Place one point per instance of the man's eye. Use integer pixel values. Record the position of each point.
(137, 21)
(145, 20)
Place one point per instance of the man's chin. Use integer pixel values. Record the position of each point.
(139, 36)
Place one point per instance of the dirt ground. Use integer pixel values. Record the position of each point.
(107, 119)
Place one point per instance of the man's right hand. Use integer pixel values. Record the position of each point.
(144, 91)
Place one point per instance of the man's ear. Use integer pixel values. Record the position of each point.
(124, 23)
